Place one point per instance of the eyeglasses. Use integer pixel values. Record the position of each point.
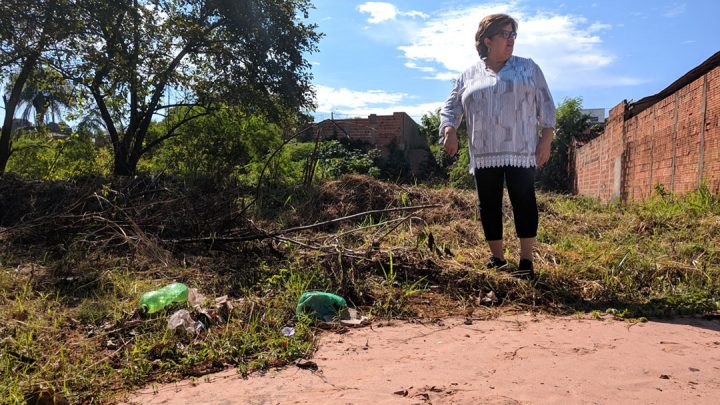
(507, 34)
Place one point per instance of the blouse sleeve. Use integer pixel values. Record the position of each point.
(543, 100)
(451, 112)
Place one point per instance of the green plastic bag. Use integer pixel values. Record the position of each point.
(320, 305)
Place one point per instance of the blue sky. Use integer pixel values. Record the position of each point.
(380, 57)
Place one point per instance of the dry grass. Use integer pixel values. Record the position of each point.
(76, 256)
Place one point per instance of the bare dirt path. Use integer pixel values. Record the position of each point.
(515, 359)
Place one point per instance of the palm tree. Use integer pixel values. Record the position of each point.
(44, 92)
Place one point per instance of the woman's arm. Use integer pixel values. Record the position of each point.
(451, 115)
(542, 151)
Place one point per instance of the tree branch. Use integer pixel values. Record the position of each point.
(171, 132)
(163, 107)
(262, 234)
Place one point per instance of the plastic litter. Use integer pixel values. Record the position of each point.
(351, 317)
(195, 298)
(155, 301)
(490, 298)
(288, 331)
(320, 305)
(182, 319)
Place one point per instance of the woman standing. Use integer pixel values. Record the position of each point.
(504, 99)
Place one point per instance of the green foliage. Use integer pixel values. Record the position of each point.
(212, 53)
(459, 173)
(39, 156)
(394, 167)
(45, 92)
(429, 127)
(394, 299)
(555, 174)
(224, 143)
(336, 159)
(455, 169)
(30, 36)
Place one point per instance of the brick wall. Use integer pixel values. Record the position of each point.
(674, 143)
(379, 130)
(382, 131)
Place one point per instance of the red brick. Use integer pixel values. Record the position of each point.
(653, 150)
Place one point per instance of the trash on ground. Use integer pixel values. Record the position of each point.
(306, 364)
(320, 305)
(195, 298)
(351, 317)
(157, 300)
(182, 319)
(288, 331)
(490, 298)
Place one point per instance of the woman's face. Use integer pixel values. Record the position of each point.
(500, 46)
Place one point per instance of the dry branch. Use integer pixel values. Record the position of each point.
(262, 234)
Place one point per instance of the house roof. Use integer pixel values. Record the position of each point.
(647, 102)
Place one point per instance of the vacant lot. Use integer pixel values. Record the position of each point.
(76, 257)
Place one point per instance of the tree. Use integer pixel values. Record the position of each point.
(555, 174)
(429, 124)
(138, 59)
(45, 91)
(30, 32)
(220, 144)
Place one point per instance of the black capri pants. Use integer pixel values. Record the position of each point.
(521, 189)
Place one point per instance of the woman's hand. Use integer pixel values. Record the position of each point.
(542, 151)
(450, 142)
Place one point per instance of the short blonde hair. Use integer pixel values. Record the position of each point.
(490, 26)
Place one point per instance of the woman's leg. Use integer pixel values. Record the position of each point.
(521, 189)
(489, 185)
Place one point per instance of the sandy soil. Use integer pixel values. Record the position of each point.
(516, 359)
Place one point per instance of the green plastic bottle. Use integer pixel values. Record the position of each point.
(154, 301)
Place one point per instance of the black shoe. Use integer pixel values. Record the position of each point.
(495, 263)
(525, 269)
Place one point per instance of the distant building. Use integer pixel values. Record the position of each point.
(384, 132)
(20, 123)
(597, 115)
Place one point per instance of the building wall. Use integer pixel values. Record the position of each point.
(382, 131)
(674, 143)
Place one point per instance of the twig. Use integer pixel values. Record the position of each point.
(402, 220)
(332, 221)
(383, 223)
(335, 248)
(265, 235)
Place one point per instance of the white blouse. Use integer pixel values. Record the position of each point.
(503, 112)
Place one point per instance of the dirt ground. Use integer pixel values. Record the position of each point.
(515, 359)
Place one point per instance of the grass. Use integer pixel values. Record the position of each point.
(69, 325)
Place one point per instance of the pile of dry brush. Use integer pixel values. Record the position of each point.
(346, 225)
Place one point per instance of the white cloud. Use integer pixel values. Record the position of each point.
(415, 13)
(378, 11)
(332, 99)
(381, 11)
(413, 65)
(354, 103)
(444, 76)
(567, 47)
(416, 111)
(598, 27)
(674, 10)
